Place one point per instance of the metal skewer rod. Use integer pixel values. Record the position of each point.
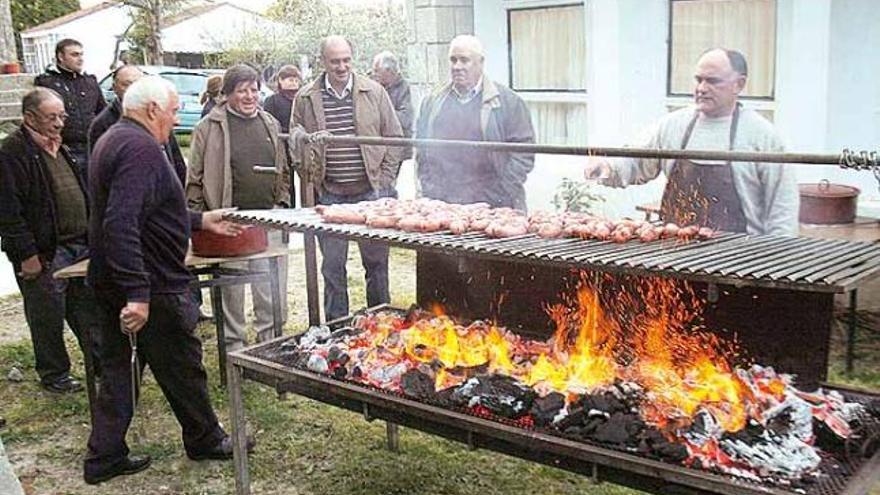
(859, 160)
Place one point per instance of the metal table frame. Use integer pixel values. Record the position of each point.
(219, 277)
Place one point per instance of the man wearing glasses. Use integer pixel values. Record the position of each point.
(43, 225)
(753, 197)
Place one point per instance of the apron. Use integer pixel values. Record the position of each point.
(703, 194)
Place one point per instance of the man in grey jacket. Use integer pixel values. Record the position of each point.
(758, 198)
(471, 107)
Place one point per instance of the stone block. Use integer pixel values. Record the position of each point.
(464, 20)
(435, 24)
(438, 63)
(16, 81)
(416, 64)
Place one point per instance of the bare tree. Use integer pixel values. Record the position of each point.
(150, 15)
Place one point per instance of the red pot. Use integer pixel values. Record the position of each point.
(825, 203)
(11, 68)
(252, 240)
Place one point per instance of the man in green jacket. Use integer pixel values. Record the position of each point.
(470, 107)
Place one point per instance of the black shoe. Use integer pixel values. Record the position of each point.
(129, 465)
(221, 452)
(64, 385)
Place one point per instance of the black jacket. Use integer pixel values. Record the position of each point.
(279, 106)
(83, 100)
(111, 115)
(27, 200)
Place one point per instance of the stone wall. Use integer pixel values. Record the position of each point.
(12, 88)
(431, 25)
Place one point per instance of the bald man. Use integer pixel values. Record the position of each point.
(471, 107)
(342, 103)
(753, 197)
(124, 77)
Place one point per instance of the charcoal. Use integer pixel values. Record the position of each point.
(340, 372)
(384, 375)
(576, 417)
(357, 372)
(334, 353)
(447, 398)
(501, 394)
(317, 364)
(620, 428)
(416, 384)
(873, 408)
(544, 409)
(654, 444)
(591, 424)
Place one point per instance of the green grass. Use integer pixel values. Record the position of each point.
(304, 447)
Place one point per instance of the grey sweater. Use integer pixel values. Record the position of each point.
(768, 191)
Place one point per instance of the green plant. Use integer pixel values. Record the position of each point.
(576, 196)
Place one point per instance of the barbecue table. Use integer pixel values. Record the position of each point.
(806, 272)
(218, 278)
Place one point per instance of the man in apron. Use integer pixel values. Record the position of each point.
(752, 197)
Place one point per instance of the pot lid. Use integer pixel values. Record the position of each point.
(826, 189)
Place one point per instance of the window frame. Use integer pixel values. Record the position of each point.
(510, 84)
(669, 43)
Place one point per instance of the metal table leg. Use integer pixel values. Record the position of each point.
(219, 322)
(239, 435)
(851, 330)
(393, 435)
(275, 287)
(312, 279)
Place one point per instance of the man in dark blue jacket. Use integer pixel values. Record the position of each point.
(43, 226)
(139, 233)
(81, 94)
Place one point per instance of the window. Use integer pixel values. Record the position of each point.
(748, 26)
(547, 49)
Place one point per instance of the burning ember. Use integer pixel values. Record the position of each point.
(634, 372)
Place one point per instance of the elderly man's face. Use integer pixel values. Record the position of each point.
(245, 98)
(337, 61)
(465, 67)
(124, 78)
(166, 118)
(71, 58)
(717, 85)
(382, 75)
(48, 119)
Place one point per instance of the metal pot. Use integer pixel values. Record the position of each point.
(825, 203)
(210, 245)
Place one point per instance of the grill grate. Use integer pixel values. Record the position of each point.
(797, 263)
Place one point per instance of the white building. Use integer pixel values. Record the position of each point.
(199, 30)
(600, 72)
(97, 28)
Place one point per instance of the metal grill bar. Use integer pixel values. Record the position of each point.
(769, 261)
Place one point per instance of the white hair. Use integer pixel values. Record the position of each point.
(146, 90)
(468, 42)
(387, 61)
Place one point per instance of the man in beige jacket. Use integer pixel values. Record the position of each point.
(226, 145)
(342, 103)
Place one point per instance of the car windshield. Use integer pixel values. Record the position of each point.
(187, 84)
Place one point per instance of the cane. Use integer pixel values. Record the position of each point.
(135, 376)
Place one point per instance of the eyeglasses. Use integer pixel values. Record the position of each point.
(52, 117)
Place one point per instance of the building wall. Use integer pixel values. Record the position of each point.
(827, 91)
(214, 30)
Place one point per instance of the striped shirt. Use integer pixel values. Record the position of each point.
(345, 169)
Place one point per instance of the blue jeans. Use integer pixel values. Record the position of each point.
(48, 302)
(334, 250)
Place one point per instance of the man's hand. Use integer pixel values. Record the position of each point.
(134, 316)
(597, 169)
(319, 137)
(31, 268)
(213, 221)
